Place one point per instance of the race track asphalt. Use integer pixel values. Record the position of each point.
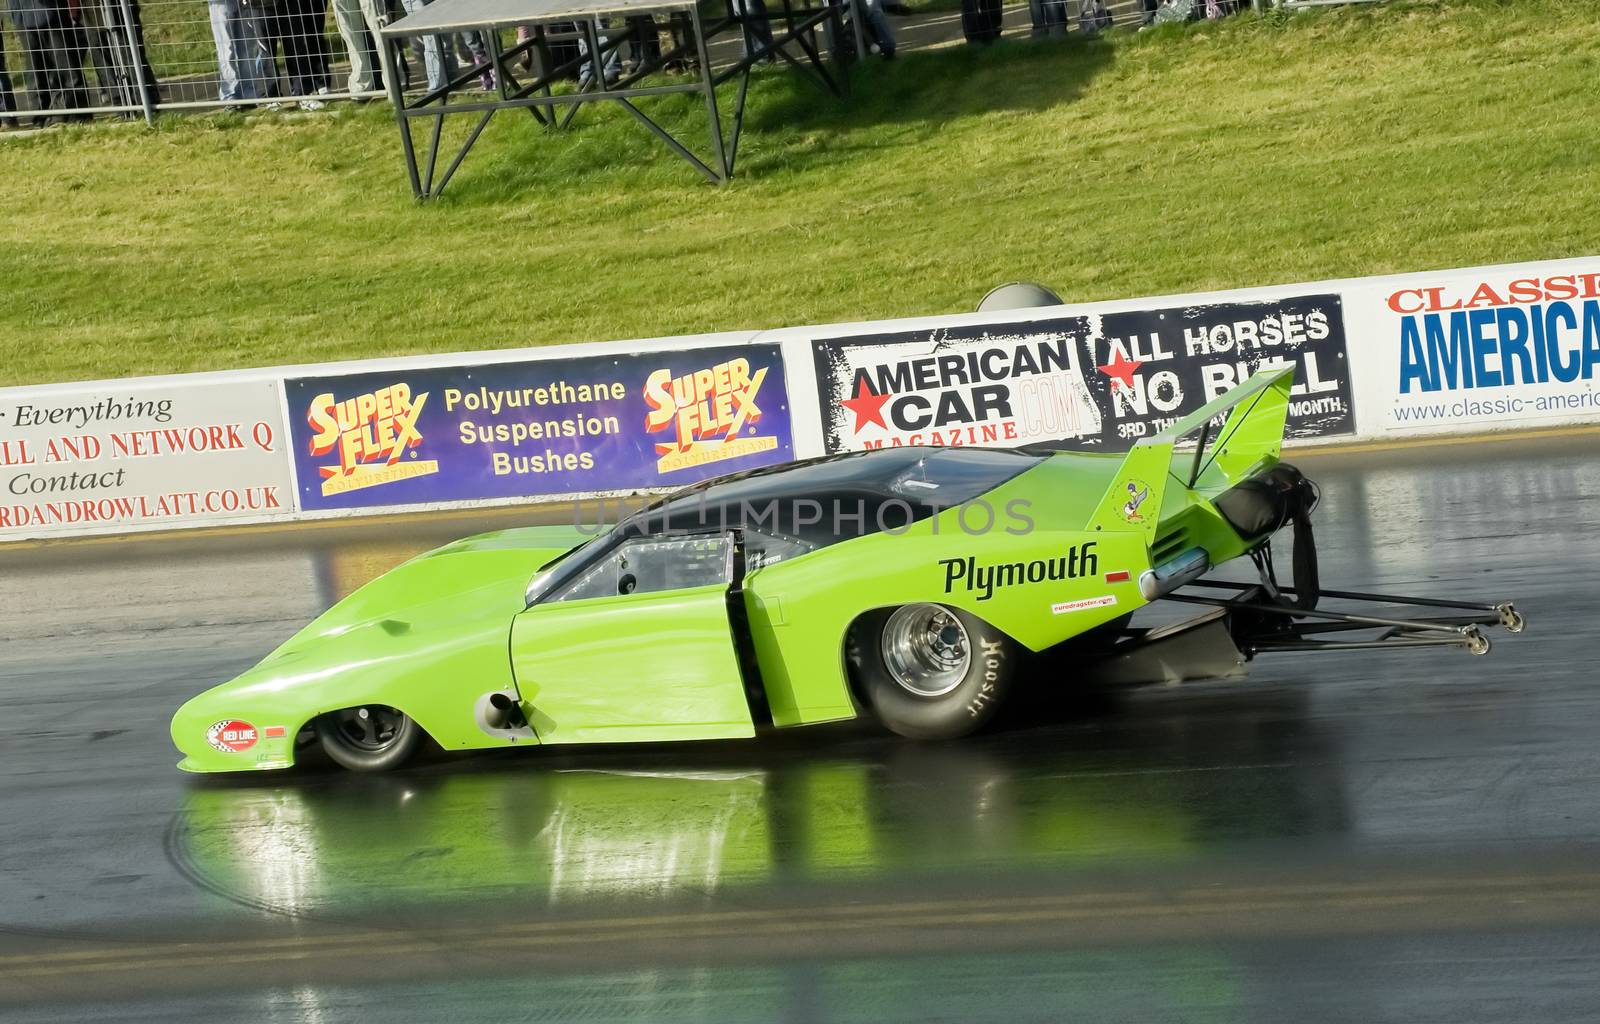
(1378, 836)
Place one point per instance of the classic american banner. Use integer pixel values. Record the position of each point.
(1090, 380)
(1491, 348)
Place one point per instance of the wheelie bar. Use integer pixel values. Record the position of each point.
(1259, 623)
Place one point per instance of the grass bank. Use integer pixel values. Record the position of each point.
(1251, 151)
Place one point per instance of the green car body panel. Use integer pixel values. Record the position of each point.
(1057, 550)
(401, 640)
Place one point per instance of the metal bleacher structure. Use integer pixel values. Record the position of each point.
(567, 54)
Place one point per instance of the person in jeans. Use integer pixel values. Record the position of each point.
(612, 66)
(475, 53)
(757, 26)
(878, 24)
(244, 64)
(436, 56)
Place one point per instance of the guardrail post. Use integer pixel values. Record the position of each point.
(131, 34)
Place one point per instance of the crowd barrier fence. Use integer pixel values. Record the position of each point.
(71, 60)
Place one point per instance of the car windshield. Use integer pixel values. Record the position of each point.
(569, 563)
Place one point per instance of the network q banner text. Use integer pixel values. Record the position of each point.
(1096, 381)
(1485, 347)
(176, 453)
(541, 427)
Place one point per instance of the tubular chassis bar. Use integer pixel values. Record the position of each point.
(1260, 623)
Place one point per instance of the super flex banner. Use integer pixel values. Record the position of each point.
(542, 427)
(1492, 348)
(108, 458)
(1093, 380)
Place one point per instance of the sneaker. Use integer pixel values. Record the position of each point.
(274, 105)
(312, 105)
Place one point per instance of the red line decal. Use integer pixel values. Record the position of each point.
(231, 736)
(1120, 576)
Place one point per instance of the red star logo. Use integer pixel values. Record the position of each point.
(1121, 370)
(867, 406)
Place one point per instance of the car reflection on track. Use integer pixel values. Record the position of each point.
(1014, 802)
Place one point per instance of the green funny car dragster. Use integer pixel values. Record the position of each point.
(910, 585)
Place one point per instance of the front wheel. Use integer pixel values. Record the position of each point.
(370, 738)
(930, 671)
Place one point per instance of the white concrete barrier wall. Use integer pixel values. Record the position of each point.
(1447, 352)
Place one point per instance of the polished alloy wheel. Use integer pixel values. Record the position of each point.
(926, 649)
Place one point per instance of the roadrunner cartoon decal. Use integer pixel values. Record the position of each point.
(1138, 491)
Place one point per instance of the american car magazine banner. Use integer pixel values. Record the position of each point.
(537, 427)
(1097, 381)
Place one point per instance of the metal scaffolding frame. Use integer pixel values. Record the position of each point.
(793, 26)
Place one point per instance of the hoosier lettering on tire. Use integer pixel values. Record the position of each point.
(929, 671)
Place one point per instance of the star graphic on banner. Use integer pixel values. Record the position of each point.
(1121, 370)
(867, 406)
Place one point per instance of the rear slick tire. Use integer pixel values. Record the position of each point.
(931, 672)
(369, 738)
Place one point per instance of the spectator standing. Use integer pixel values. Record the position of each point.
(647, 40)
(83, 34)
(244, 64)
(878, 25)
(980, 20)
(757, 28)
(475, 53)
(124, 39)
(611, 65)
(8, 99)
(309, 19)
(1049, 17)
(1093, 17)
(436, 57)
(54, 70)
(296, 26)
(360, 42)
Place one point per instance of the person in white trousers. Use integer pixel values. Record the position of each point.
(359, 30)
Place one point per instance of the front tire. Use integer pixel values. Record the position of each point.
(369, 738)
(929, 671)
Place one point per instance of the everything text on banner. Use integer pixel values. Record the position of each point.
(1487, 347)
(538, 427)
(1089, 380)
(114, 458)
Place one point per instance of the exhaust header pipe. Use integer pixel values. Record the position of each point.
(1179, 570)
(504, 713)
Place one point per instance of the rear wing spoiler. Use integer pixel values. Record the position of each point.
(1251, 436)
